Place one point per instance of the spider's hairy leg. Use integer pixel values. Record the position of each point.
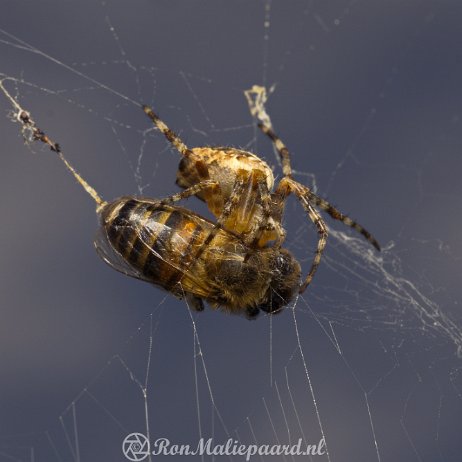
(214, 195)
(212, 186)
(288, 186)
(337, 215)
(280, 147)
(34, 133)
(249, 210)
(229, 207)
(171, 136)
(323, 233)
(316, 200)
(270, 228)
(308, 199)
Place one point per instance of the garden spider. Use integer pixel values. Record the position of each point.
(237, 187)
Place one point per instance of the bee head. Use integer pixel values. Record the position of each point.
(284, 284)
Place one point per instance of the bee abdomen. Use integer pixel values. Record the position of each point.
(156, 240)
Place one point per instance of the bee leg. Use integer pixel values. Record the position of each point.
(195, 303)
(252, 312)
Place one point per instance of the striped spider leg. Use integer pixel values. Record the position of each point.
(309, 201)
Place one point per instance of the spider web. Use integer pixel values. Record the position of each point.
(365, 95)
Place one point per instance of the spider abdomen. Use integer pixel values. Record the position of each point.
(221, 164)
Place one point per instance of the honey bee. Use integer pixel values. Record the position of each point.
(170, 247)
(182, 252)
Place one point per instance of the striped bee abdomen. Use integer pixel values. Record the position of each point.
(186, 255)
(158, 241)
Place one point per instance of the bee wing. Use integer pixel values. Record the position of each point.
(110, 256)
(188, 283)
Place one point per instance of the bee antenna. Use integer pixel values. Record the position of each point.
(31, 132)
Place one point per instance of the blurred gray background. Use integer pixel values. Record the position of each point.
(367, 99)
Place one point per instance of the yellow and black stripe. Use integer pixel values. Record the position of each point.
(157, 240)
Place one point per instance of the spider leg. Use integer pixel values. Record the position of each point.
(31, 132)
(230, 205)
(192, 191)
(266, 211)
(268, 229)
(171, 136)
(322, 231)
(288, 186)
(337, 215)
(316, 200)
(214, 198)
(280, 147)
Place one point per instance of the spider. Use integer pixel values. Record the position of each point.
(238, 188)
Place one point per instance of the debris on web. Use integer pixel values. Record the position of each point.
(257, 96)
